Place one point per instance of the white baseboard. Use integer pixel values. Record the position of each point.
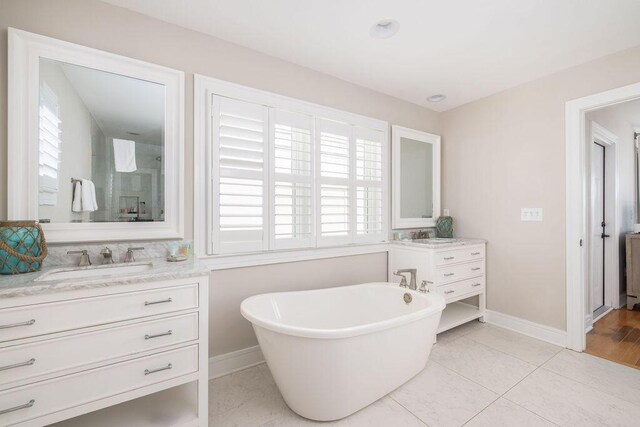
(526, 327)
(228, 363)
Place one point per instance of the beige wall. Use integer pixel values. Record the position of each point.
(230, 331)
(102, 26)
(505, 152)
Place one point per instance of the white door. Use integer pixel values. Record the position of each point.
(597, 226)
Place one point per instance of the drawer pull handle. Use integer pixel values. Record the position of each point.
(17, 408)
(17, 365)
(162, 301)
(164, 334)
(475, 269)
(448, 258)
(153, 371)
(448, 274)
(475, 285)
(449, 292)
(475, 253)
(15, 325)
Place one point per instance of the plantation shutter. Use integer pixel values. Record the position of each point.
(240, 178)
(370, 158)
(334, 183)
(48, 147)
(292, 180)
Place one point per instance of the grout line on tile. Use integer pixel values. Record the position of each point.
(590, 386)
(505, 353)
(482, 410)
(460, 375)
(407, 409)
(516, 384)
(512, 355)
(503, 395)
(529, 410)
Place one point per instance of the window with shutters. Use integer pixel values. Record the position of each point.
(334, 183)
(292, 180)
(240, 175)
(287, 175)
(369, 190)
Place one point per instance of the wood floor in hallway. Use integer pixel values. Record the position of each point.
(616, 337)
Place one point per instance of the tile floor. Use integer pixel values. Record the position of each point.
(477, 375)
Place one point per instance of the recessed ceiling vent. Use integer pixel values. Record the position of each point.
(437, 98)
(385, 29)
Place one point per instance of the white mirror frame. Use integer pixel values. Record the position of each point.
(25, 51)
(398, 132)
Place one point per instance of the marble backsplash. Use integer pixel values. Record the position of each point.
(411, 234)
(58, 256)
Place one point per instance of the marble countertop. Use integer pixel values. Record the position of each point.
(422, 243)
(21, 285)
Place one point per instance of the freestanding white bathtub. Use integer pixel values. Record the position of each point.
(334, 351)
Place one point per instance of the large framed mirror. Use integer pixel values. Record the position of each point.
(95, 142)
(415, 178)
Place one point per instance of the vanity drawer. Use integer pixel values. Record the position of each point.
(458, 272)
(22, 362)
(39, 319)
(459, 255)
(464, 287)
(46, 397)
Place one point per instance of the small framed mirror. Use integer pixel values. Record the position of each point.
(415, 178)
(95, 142)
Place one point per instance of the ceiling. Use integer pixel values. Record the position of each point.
(466, 49)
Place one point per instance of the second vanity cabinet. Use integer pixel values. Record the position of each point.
(455, 270)
(131, 354)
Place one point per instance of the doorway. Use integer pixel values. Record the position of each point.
(597, 224)
(604, 267)
(598, 229)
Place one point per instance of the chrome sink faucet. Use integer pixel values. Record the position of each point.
(84, 257)
(107, 256)
(129, 256)
(412, 281)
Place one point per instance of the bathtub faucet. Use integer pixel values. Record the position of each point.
(412, 281)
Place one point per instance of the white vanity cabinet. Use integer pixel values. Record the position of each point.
(457, 271)
(128, 355)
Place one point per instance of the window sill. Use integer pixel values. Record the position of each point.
(221, 262)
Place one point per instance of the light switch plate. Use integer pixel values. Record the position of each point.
(531, 214)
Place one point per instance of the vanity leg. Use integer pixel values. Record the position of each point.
(482, 305)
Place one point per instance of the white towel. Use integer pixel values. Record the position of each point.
(124, 154)
(89, 203)
(48, 190)
(77, 197)
(48, 198)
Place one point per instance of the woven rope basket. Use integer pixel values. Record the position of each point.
(23, 247)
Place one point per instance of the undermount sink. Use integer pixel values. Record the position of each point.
(436, 240)
(95, 271)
